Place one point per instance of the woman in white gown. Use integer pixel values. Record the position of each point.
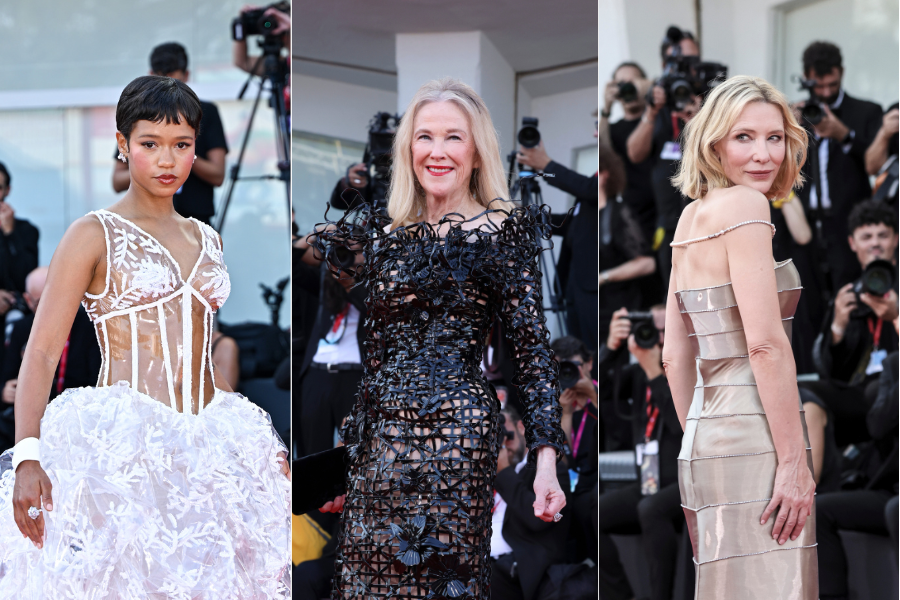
(160, 482)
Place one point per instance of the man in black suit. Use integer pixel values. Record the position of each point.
(195, 197)
(331, 367)
(18, 247)
(578, 264)
(835, 167)
(523, 546)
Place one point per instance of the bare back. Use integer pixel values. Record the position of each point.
(706, 263)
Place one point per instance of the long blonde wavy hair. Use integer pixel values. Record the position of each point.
(406, 197)
(701, 170)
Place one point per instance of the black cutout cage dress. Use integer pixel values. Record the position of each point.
(424, 433)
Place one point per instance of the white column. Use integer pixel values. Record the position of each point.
(469, 56)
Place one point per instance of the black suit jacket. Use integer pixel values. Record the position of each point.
(848, 182)
(18, 255)
(535, 543)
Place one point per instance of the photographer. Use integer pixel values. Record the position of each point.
(651, 506)
(580, 424)
(577, 259)
(841, 130)
(860, 327)
(18, 248)
(629, 87)
(523, 546)
(195, 197)
(862, 509)
(331, 367)
(657, 139)
(280, 12)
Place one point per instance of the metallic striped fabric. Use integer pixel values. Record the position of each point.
(727, 461)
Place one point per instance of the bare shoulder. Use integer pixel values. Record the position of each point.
(86, 230)
(727, 207)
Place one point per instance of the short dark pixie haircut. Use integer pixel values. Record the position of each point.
(871, 212)
(168, 58)
(569, 346)
(821, 58)
(155, 98)
(5, 172)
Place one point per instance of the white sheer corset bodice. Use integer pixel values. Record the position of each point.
(154, 325)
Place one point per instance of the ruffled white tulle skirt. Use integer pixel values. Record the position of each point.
(149, 503)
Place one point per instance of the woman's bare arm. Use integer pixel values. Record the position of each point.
(71, 274)
(678, 356)
(796, 222)
(750, 263)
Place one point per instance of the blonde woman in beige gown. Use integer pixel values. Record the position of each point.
(745, 467)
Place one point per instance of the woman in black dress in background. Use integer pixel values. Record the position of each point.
(449, 259)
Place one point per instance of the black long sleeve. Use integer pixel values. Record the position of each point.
(882, 417)
(19, 255)
(571, 181)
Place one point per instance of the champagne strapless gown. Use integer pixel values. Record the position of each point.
(727, 461)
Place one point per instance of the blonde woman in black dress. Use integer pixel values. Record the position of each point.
(449, 259)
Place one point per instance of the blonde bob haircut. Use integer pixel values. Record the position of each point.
(701, 170)
(406, 197)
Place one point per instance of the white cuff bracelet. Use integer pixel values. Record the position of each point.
(26, 449)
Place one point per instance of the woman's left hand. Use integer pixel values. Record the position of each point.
(285, 467)
(549, 498)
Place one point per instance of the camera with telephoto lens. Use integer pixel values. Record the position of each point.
(529, 136)
(877, 279)
(378, 155)
(685, 77)
(569, 374)
(255, 22)
(627, 92)
(646, 335)
(812, 110)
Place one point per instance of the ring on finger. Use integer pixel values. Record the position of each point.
(557, 517)
(34, 512)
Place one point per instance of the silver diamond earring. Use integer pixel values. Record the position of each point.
(122, 158)
(195, 159)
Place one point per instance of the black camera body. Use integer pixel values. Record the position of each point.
(627, 92)
(646, 335)
(379, 153)
(686, 76)
(812, 110)
(569, 374)
(529, 136)
(254, 22)
(877, 279)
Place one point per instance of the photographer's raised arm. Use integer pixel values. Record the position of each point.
(877, 152)
(640, 142)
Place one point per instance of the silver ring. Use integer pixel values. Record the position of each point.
(34, 512)
(356, 180)
(557, 517)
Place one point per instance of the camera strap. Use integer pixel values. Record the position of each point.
(652, 416)
(676, 127)
(875, 330)
(577, 441)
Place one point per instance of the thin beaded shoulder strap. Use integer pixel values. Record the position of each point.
(723, 232)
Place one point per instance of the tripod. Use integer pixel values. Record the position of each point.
(529, 190)
(275, 73)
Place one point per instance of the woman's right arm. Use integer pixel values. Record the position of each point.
(678, 356)
(750, 263)
(72, 271)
